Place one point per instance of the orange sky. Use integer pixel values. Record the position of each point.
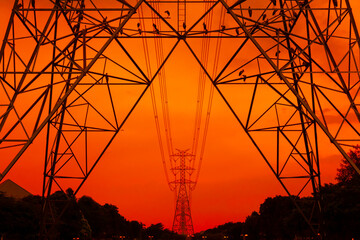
(233, 182)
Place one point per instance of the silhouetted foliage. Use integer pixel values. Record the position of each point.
(228, 230)
(19, 218)
(277, 218)
(106, 223)
(135, 229)
(341, 201)
(83, 219)
(346, 173)
(158, 232)
(342, 210)
(93, 213)
(72, 223)
(252, 226)
(155, 230)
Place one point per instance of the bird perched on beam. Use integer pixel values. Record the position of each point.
(244, 77)
(205, 29)
(250, 11)
(156, 29)
(139, 29)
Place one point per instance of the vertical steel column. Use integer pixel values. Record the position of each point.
(182, 219)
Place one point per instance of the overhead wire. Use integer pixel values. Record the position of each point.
(153, 97)
(210, 100)
(201, 84)
(159, 52)
(162, 83)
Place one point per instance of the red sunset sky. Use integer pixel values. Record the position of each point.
(233, 182)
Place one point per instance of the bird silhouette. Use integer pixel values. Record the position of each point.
(76, 27)
(241, 72)
(156, 29)
(184, 25)
(167, 13)
(273, 2)
(205, 29)
(250, 12)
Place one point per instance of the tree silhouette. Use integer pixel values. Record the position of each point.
(83, 218)
(346, 173)
(72, 223)
(342, 210)
(341, 201)
(252, 226)
(19, 218)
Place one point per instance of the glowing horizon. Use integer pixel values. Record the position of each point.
(233, 182)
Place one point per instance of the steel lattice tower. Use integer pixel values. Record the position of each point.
(59, 56)
(182, 223)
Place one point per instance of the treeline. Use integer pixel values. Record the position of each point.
(83, 219)
(279, 219)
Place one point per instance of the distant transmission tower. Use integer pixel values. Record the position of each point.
(73, 71)
(183, 184)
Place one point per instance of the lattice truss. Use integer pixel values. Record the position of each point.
(288, 70)
(183, 184)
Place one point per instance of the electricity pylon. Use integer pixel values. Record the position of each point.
(59, 56)
(182, 170)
